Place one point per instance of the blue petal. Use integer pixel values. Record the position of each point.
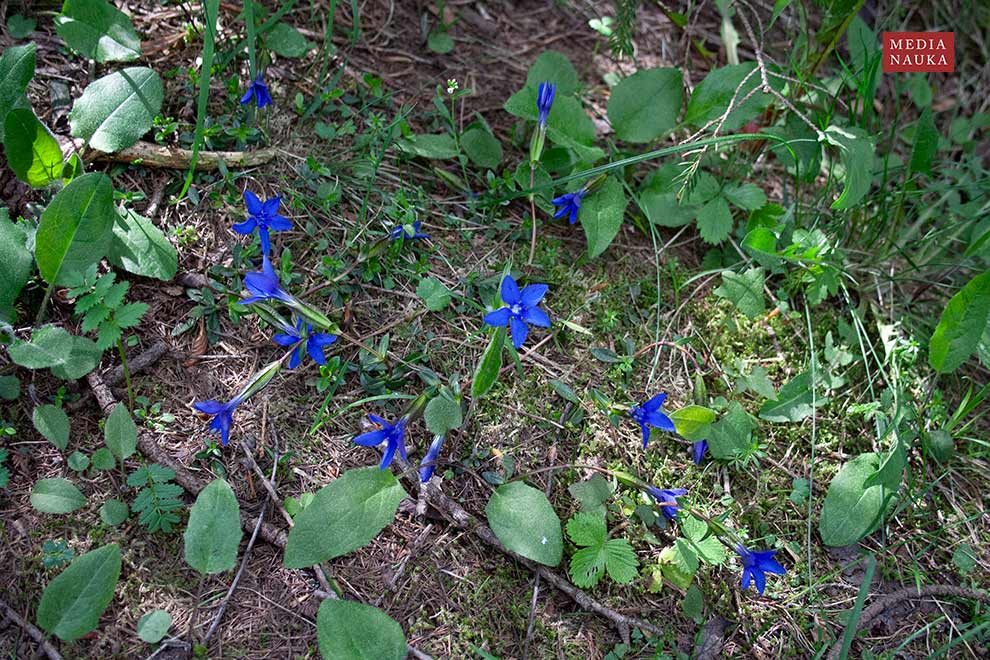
(745, 579)
(247, 226)
(283, 339)
(296, 357)
(252, 202)
(388, 455)
(698, 450)
(646, 434)
(210, 406)
(315, 350)
(498, 318)
(661, 421)
(761, 581)
(532, 294)
(266, 244)
(378, 420)
(322, 339)
(279, 222)
(519, 331)
(536, 316)
(510, 291)
(561, 212)
(270, 207)
(371, 438)
(655, 402)
(248, 95)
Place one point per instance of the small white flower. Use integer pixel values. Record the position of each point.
(451, 86)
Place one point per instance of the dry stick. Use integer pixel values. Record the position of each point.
(35, 634)
(156, 155)
(137, 364)
(874, 611)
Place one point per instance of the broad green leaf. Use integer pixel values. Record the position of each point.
(744, 290)
(214, 530)
(644, 106)
(693, 604)
(78, 461)
(554, 67)
(16, 71)
(153, 626)
(75, 229)
(437, 146)
(730, 435)
(434, 294)
(116, 110)
(486, 374)
(592, 493)
(852, 509)
(964, 320)
(747, 196)
(19, 26)
(793, 402)
(343, 516)
(678, 563)
(925, 143)
(32, 151)
(353, 631)
(601, 215)
(568, 125)
(712, 96)
(587, 529)
(10, 387)
(287, 41)
(620, 561)
(693, 422)
(442, 414)
(856, 153)
(98, 31)
(82, 357)
(440, 42)
(56, 496)
(481, 146)
(114, 512)
(715, 221)
(761, 244)
(102, 460)
(49, 346)
(16, 264)
(525, 522)
(139, 247)
(658, 196)
(120, 432)
(52, 422)
(73, 602)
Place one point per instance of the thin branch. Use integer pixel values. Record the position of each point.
(39, 637)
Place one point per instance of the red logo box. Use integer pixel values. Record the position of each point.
(905, 52)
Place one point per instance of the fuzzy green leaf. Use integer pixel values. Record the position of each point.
(73, 602)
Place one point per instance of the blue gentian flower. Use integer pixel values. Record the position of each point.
(264, 285)
(402, 231)
(263, 216)
(569, 204)
(649, 415)
(756, 564)
(667, 496)
(257, 90)
(223, 415)
(698, 450)
(315, 343)
(429, 463)
(393, 434)
(520, 310)
(544, 100)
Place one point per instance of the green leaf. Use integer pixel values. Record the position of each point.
(565, 391)
(32, 151)
(75, 229)
(481, 146)
(287, 41)
(103, 460)
(856, 153)
(114, 512)
(130, 314)
(587, 566)
(761, 244)
(439, 146)
(486, 374)
(214, 529)
(644, 106)
(712, 96)
(10, 387)
(19, 26)
(139, 247)
(78, 461)
(744, 290)
(852, 509)
(52, 422)
(658, 197)
(116, 110)
(554, 67)
(693, 422)
(16, 71)
(56, 496)
(925, 143)
(747, 196)
(678, 563)
(442, 414)
(592, 493)
(433, 293)
(120, 432)
(83, 356)
(715, 221)
(73, 602)
(343, 516)
(153, 626)
(16, 264)
(730, 436)
(98, 31)
(353, 631)
(440, 42)
(964, 557)
(525, 522)
(49, 346)
(961, 325)
(620, 561)
(568, 125)
(693, 604)
(601, 215)
(587, 529)
(793, 402)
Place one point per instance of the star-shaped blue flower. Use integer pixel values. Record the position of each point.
(520, 311)
(544, 100)
(570, 204)
(223, 415)
(393, 434)
(667, 496)
(429, 463)
(264, 285)
(263, 216)
(698, 450)
(403, 231)
(258, 91)
(756, 564)
(315, 343)
(648, 415)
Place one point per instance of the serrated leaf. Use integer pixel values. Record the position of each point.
(644, 106)
(353, 631)
(587, 566)
(52, 422)
(744, 290)
(115, 111)
(56, 496)
(714, 221)
(587, 529)
(73, 602)
(32, 151)
(98, 31)
(601, 215)
(120, 432)
(214, 529)
(130, 314)
(139, 247)
(525, 522)
(963, 322)
(747, 196)
(620, 561)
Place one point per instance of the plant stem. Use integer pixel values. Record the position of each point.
(532, 213)
(127, 375)
(44, 304)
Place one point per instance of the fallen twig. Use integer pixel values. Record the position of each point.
(137, 364)
(156, 155)
(39, 637)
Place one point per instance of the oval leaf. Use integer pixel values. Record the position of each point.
(214, 530)
(73, 602)
(52, 422)
(98, 31)
(525, 522)
(645, 105)
(153, 626)
(601, 216)
(116, 110)
(139, 247)
(32, 151)
(120, 432)
(56, 496)
(962, 324)
(16, 71)
(852, 509)
(352, 631)
(693, 422)
(486, 374)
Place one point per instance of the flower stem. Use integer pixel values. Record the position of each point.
(532, 212)
(127, 375)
